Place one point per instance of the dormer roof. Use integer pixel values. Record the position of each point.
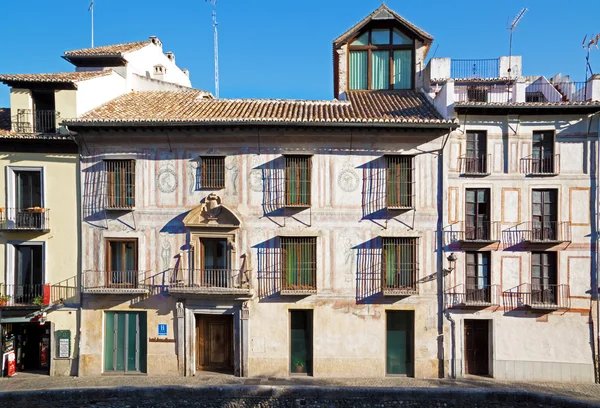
(383, 13)
(70, 78)
(114, 50)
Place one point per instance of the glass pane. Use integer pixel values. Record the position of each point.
(362, 40)
(358, 69)
(129, 256)
(132, 341)
(109, 340)
(471, 196)
(380, 70)
(481, 196)
(402, 69)
(400, 39)
(380, 36)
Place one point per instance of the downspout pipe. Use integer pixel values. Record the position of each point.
(597, 224)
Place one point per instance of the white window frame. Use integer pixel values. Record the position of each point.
(10, 261)
(11, 188)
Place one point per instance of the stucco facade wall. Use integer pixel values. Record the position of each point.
(343, 309)
(527, 344)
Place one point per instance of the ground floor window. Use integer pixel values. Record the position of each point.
(125, 342)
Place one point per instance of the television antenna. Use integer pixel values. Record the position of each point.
(216, 45)
(91, 9)
(512, 28)
(592, 42)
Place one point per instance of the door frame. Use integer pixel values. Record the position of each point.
(491, 345)
(200, 317)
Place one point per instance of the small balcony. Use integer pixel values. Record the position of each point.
(34, 219)
(475, 68)
(34, 295)
(218, 282)
(552, 232)
(475, 166)
(114, 282)
(537, 166)
(485, 232)
(36, 121)
(472, 296)
(563, 91)
(537, 297)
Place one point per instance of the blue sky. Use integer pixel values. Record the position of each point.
(282, 48)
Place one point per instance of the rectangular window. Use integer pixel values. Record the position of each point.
(121, 262)
(214, 263)
(400, 263)
(475, 159)
(477, 214)
(28, 274)
(210, 173)
(403, 69)
(399, 181)
(380, 67)
(542, 152)
(125, 342)
(478, 277)
(120, 183)
(543, 278)
(544, 215)
(359, 67)
(298, 174)
(299, 263)
(28, 189)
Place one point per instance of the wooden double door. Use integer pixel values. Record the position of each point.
(214, 343)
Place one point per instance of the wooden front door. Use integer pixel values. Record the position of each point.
(477, 347)
(214, 343)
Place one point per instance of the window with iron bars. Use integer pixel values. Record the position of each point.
(210, 173)
(400, 263)
(299, 263)
(400, 181)
(298, 174)
(120, 183)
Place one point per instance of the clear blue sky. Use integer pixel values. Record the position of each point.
(282, 48)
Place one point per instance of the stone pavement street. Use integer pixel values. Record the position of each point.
(589, 393)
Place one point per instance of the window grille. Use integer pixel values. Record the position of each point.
(210, 173)
(400, 263)
(299, 263)
(298, 174)
(120, 183)
(400, 181)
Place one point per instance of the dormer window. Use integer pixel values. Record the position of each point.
(381, 58)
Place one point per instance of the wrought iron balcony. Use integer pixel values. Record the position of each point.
(538, 297)
(551, 232)
(114, 282)
(537, 166)
(475, 165)
(25, 219)
(209, 281)
(472, 296)
(24, 295)
(484, 232)
(36, 121)
(474, 68)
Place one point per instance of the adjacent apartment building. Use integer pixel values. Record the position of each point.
(40, 195)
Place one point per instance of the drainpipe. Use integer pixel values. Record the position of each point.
(597, 223)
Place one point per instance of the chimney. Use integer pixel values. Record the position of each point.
(154, 40)
(186, 72)
(159, 72)
(170, 56)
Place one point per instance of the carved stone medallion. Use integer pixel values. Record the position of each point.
(166, 180)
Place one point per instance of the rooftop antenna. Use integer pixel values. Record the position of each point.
(216, 46)
(592, 42)
(512, 28)
(91, 9)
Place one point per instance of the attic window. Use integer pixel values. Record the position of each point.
(381, 58)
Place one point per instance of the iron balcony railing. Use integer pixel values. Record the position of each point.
(208, 280)
(539, 232)
(24, 295)
(474, 68)
(556, 92)
(536, 296)
(487, 93)
(475, 165)
(541, 166)
(472, 295)
(401, 283)
(119, 281)
(37, 120)
(25, 219)
(466, 231)
(299, 283)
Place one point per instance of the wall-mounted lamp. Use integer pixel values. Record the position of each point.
(451, 259)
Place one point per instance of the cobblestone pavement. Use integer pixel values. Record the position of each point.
(23, 382)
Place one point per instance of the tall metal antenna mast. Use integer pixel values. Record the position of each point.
(216, 45)
(593, 42)
(91, 8)
(512, 28)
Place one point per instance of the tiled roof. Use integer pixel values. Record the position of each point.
(58, 77)
(400, 108)
(114, 50)
(383, 12)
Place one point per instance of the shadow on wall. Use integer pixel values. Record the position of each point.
(94, 194)
(374, 189)
(269, 259)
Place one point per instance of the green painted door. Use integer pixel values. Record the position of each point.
(125, 342)
(399, 342)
